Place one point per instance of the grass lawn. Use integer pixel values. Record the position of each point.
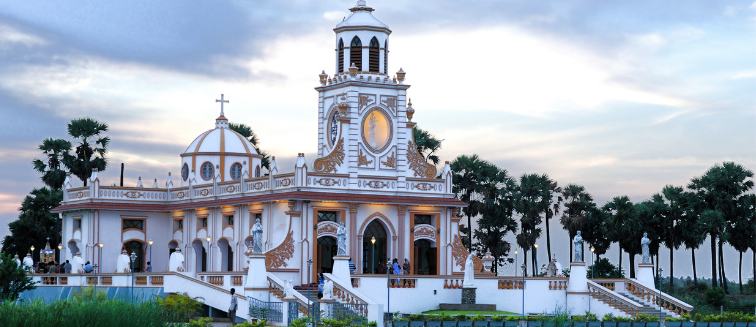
(470, 313)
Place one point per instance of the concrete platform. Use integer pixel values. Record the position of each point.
(467, 307)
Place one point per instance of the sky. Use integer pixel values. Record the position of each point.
(622, 97)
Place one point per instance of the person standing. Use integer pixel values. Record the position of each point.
(397, 270)
(68, 267)
(148, 268)
(406, 266)
(352, 268)
(232, 308)
(88, 267)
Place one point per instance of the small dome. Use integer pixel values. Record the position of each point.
(221, 139)
(361, 16)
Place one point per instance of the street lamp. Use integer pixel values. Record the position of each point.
(660, 291)
(593, 268)
(207, 257)
(372, 260)
(96, 266)
(524, 266)
(150, 253)
(133, 258)
(515, 262)
(60, 254)
(309, 263)
(99, 260)
(388, 289)
(535, 257)
(32, 249)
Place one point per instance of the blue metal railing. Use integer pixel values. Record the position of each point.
(344, 311)
(293, 311)
(270, 311)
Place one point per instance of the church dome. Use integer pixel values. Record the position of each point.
(361, 17)
(221, 139)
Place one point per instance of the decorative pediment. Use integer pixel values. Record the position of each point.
(331, 162)
(327, 228)
(277, 257)
(417, 163)
(425, 231)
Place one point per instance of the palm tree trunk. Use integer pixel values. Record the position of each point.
(693, 259)
(620, 258)
(525, 262)
(548, 240)
(632, 264)
(721, 262)
(713, 261)
(671, 268)
(571, 253)
(740, 272)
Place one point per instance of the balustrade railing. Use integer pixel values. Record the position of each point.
(275, 288)
(511, 284)
(613, 299)
(658, 298)
(345, 295)
(452, 283)
(403, 283)
(557, 285)
(270, 311)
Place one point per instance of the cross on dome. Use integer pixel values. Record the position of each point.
(221, 121)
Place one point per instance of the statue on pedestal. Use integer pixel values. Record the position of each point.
(644, 245)
(176, 261)
(257, 232)
(578, 241)
(288, 289)
(28, 262)
(328, 289)
(469, 272)
(17, 260)
(123, 264)
(341, 237)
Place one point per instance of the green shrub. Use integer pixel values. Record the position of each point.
(115, 313)
(299, 322)
(513, 318)
(578, 318)
(591, 316)
(608, 317)
(479, 317)
(461, 317)
(535, 318)
(715, 296)
(498, 318)
(446, 317)
(199, 322)
(417, 317)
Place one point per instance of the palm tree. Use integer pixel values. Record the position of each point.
(247, 132)
(743, 231)
(576, 202)
(621, 210)
(469, 174)
(427, 144)
(90, 153)
(674, 202)
(53, 174)
(496, 216)
(35, 222)
(553, 204)
(532, 199)
(720, 189)
(692, 232)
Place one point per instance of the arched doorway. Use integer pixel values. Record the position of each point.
(137, 248)
(374, 255)
(425, 258)
(172, 246)
(227, 255)
(200, 255)
(327, 248)
(72, 247)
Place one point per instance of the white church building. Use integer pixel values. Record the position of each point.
(367, 175)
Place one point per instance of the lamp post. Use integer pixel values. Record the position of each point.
(133, 258)
(660, 291)
(207, 256)
(524, 266)
(60, 254)
(99, 260)
(388, 289)
(309, 263)
(372, 260)
(150, 253)
(535, 257)
(97, 266)
(515, 263)
(32, 249)
(593, 268)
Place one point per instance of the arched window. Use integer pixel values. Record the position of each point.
(355, 53)
(236, 171)
(341, 56)
(257, 171)
(374, 55)
(385, 57)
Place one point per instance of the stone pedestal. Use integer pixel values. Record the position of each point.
(577, 288)
(645, 274)
(468, 295)
(257, 278)
(341, 268)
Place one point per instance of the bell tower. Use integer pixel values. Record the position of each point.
(365, 119)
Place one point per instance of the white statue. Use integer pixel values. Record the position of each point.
(469, 272)
(371, 133)
(29, 262)
(17, 260)
(644, 245)
(176, 261)
(288, 289)
(328, 289)
(578, 241)
(257, 232)
(77, 264)
(123, 263)
(341, 237)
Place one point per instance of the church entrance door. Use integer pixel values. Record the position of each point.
(227, 255)
(137, 248)
(327, 249)
(374, 256)
(200, 256)
(425, 258)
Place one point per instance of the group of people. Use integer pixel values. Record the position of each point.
(63, 268)
(396, 269)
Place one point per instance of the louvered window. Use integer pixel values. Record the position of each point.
(355, 53)
(374, 55)
(385, 57)
(341, 56)
(133, 223)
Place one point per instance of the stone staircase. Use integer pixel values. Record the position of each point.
(651, 310)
